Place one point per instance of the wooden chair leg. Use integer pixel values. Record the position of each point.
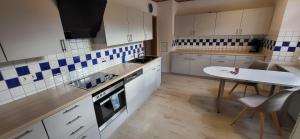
(239, 116)
(276, 123)
(230, 92)
(262, 124)
(256, 89)
(253, 113)
(245, 90)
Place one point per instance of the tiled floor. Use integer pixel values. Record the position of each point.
(184, 108)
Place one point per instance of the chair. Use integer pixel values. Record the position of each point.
(264, 105)
(259, 65)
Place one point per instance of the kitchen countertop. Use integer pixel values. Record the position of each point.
(218, 52)
(20, 114)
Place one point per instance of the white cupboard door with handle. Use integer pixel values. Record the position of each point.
(136, 25)
(30, 28)
(180, 63)
(256, 21)
(228, 23)
(115, 24)
(198, 63)
(184, 26)
(148, 26)
(205, 24)
(36, 131)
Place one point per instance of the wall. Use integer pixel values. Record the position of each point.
(200, 6)
(80, 60)
(165, 30)
(141, 5)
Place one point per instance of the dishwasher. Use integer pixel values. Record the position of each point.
(134, 88)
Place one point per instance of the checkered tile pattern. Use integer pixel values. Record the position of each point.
(269, 44)
(57, 69)
(212, 42)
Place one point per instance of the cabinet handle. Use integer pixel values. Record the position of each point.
(72, 121)
(128, 38)
(77, 130)
(83, 137)
(154, 69)
(68, 110)
(63, 45)
(23, 134)
(221, 61)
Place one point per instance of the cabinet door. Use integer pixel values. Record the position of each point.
(158, 74)
(30, 28)
(37, 131)
(228, 23)
(2, 55)
(205, 24)
(198, 63)
(256, 21)
(114, 125)
(180, 63)
(136, 25)
(91, 133)
(243, 61)
(148, 26)
(222, 60)
(115, 24)
(184, 26)
(296, 131)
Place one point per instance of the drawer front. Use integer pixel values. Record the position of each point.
(201, 57)
(222, 57)
(243, 64)
(91, 133)
(71, 118)
(37, 131)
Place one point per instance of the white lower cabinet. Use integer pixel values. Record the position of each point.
(71, 122)
(222, 60)
(151, 78)
(198, 63)
(91, 133)
(180, 62)
(36, 131)
(296, 131)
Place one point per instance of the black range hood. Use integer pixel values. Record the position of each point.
(81, 18)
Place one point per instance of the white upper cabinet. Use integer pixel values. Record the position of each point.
(148, 29)
(116, 24)
(205, 24)
(256, 21)
(228, 23)
(30, 28)
(184, 26)
(136, 25)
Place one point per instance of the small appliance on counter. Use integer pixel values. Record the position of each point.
(257, 45)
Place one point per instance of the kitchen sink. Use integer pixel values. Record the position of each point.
(142, 59)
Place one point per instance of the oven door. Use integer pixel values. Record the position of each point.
(109, 107)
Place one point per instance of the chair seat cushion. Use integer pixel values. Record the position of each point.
(253, 101)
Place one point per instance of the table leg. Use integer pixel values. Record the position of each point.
(272, 90)
(220, 94)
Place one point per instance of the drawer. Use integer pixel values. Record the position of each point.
(220, 62)
(91, 133)
(36, 131)
(245, 58)
(71, 118)
(243, 64)
(200, 56)
(222, 57)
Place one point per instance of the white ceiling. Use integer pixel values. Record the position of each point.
(200, 6)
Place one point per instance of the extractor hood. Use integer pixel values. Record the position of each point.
(81, 18)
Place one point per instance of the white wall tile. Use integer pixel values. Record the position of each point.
(17, 91)
(5, 96)
(3, 86)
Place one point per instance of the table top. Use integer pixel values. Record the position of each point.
(255, 76)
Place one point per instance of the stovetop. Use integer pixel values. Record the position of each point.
(93, 80)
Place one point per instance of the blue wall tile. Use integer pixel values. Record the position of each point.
(56, 71)
(45, 66)
(88, 56)
(111, 57)
(84, 64)
(39, 76)
(291, 49)
(12, 83)
(98, 54)
(286, 44)
(120, 49)
(71, 67)
(298, 45)
(76, 59)
(21, 71)
(114, 51)
(62, 62)
(106, 52)
(277, 48)
(94, 61)
(1, 77)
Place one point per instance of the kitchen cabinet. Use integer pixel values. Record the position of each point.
(228, 23)
(180, 63)
(205, 24)
(135, 25)
(158, 74)
(256, 21)
(73, 121)
(152, 75)
(296, 131)
(91, 133)
(116, 24)
(2, 55)
(184, 26)
(30, 30)
(148, 28)
(222, 60)
(198, 63)
(134, 94)
(36, 131)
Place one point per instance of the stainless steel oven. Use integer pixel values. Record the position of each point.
(109, 103)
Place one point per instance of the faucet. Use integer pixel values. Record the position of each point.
(139, 54)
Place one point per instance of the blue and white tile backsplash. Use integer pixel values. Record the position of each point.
(23, 78)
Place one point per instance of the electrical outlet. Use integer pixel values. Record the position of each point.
(27, 78)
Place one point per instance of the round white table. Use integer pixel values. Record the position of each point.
(274, 78)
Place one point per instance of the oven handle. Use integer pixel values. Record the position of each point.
(110, 97)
